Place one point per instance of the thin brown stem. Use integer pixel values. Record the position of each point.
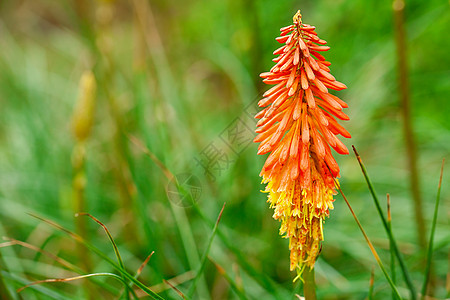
(400, 39)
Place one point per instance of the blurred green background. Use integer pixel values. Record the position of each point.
(183, 77)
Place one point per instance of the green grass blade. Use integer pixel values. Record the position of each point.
(371, 284)
(263, 280)
(175, 289)
(234, 286)
(5, 293)
(433, 230)
(102, 255)
(59, 260)
(77, 278)
(113, 243)
(46, 292)
(180, 218)
(372, 248)
(391, 248)
(188, 241)
(130, 285)
(205, 255)
(405, 272)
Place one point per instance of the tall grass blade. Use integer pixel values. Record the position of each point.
(371, 284)
(111, 240)
(175, 281)
(205, 255)
(113, 243)
(405, 272)
(179, 216)
(175, 289)
(234, 286)
(433, 230)
(138, 272)
(391, 248)
(372, 248)
(264, 281)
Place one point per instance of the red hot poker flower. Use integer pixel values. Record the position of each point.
(297, 127)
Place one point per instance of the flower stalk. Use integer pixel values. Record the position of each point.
(82, 122)
(309, 288)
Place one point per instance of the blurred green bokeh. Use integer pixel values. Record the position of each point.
(179, 75)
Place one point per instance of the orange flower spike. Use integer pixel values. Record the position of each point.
(298, 127)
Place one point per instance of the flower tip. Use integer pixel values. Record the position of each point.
(265, 149)
(297, 17)
(341, 149)
(340, 85)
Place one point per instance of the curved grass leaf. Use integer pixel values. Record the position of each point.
(102, 255)
(44, 291)
(76, 278)
(63, 262)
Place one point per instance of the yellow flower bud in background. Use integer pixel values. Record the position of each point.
(83, 116)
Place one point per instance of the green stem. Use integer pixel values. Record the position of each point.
(405, 272)
(309, 288)
(372, 248)
(433, 229)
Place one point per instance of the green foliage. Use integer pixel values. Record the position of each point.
(176, 75)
